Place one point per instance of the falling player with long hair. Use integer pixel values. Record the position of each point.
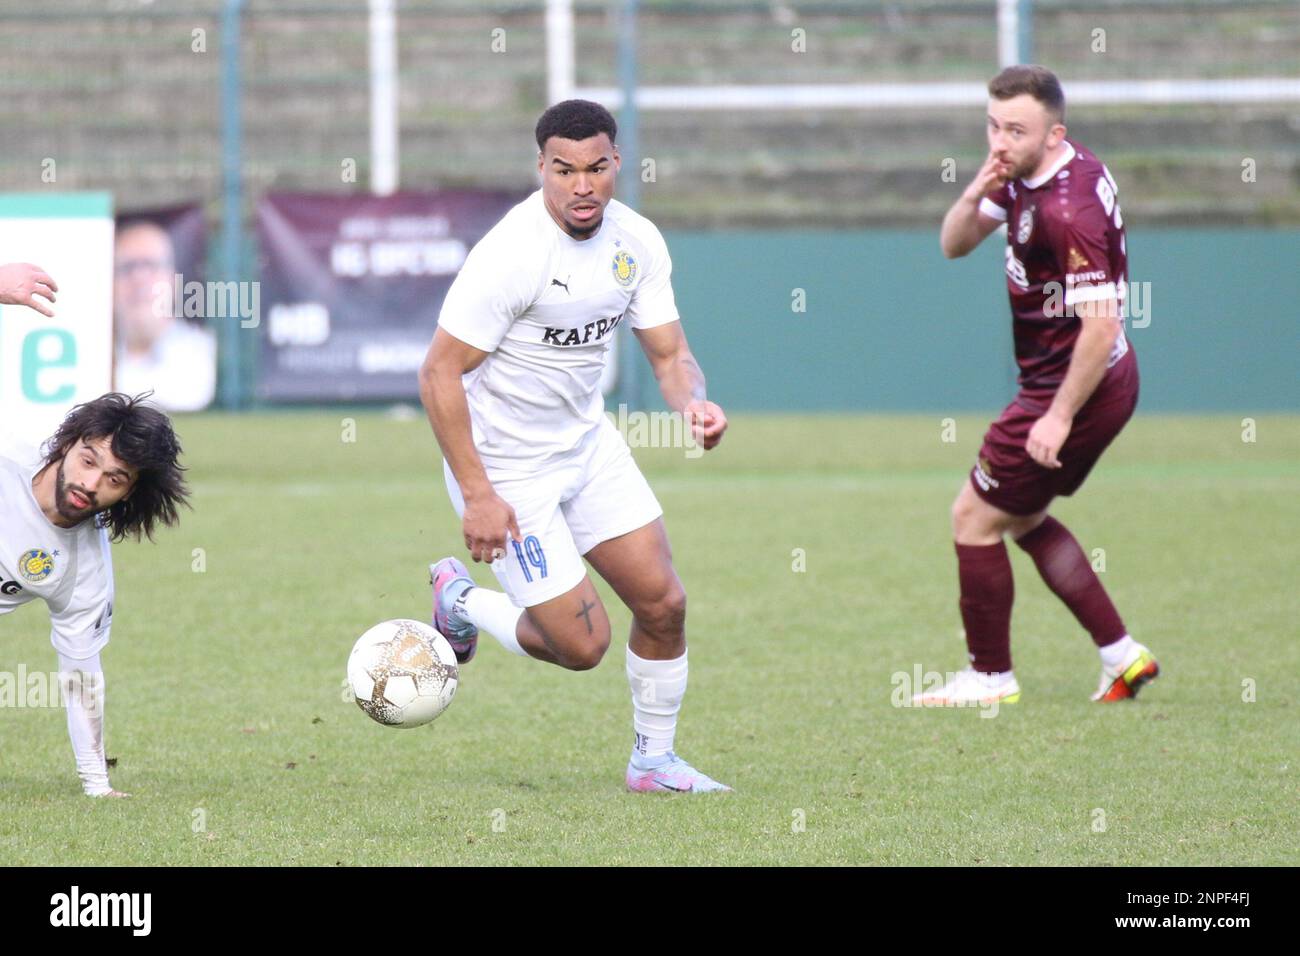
(109, 472)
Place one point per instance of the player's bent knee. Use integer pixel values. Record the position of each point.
(581, 644)
(587, 654)
(963, 514)
(1021, 525)
(666, 615)
(975, 521)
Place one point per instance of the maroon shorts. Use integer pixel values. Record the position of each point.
(1007, 478)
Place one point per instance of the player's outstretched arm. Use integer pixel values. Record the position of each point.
(964, 226)
(488, 519)
(82, 683)
(681, 381)
(22, 282)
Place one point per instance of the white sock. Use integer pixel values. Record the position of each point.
(1114, 655)
(492, 611)
(657, 691)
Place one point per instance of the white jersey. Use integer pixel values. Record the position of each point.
(546, 306)
(70, 569)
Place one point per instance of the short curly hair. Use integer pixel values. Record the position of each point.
(576, 120)
(140, 435)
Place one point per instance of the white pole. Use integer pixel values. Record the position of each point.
(1008, 33)
(878, 96)
(560, 72)
(383, 97)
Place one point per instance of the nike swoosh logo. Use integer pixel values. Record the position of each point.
(668, 786)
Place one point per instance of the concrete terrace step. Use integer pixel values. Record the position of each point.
(121, 101)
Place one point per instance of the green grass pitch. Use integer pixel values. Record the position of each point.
(228, 722)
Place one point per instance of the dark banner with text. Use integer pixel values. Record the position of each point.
(351, 287)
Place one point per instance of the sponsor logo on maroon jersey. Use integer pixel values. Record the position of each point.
(982, 475)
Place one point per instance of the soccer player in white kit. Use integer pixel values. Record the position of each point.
(109, 471)
(539, 476)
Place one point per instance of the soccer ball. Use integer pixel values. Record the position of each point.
(403, 673)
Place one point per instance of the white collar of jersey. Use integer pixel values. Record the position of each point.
(1056, 168)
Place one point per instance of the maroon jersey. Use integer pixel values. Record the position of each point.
(1065, 245)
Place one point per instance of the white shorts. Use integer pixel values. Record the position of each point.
(564, 511)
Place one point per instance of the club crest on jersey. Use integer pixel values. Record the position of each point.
(35, 565)
(624, 268)
(1025, 227)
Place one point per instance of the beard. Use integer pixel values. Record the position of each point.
(63, 503)
(583, 230)
(1026, 169)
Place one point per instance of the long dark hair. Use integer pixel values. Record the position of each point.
(141, 436)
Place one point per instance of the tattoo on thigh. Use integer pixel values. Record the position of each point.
(587, 608)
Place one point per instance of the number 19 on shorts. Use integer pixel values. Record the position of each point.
(530, 556)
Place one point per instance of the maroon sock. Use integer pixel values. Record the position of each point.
(1067, 572)
(987, 590)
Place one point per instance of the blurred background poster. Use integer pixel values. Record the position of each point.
(160, 313)
(351, 286)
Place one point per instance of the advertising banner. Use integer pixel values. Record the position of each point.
(351, 287)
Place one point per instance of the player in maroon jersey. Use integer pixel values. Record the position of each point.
(1067, 275)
